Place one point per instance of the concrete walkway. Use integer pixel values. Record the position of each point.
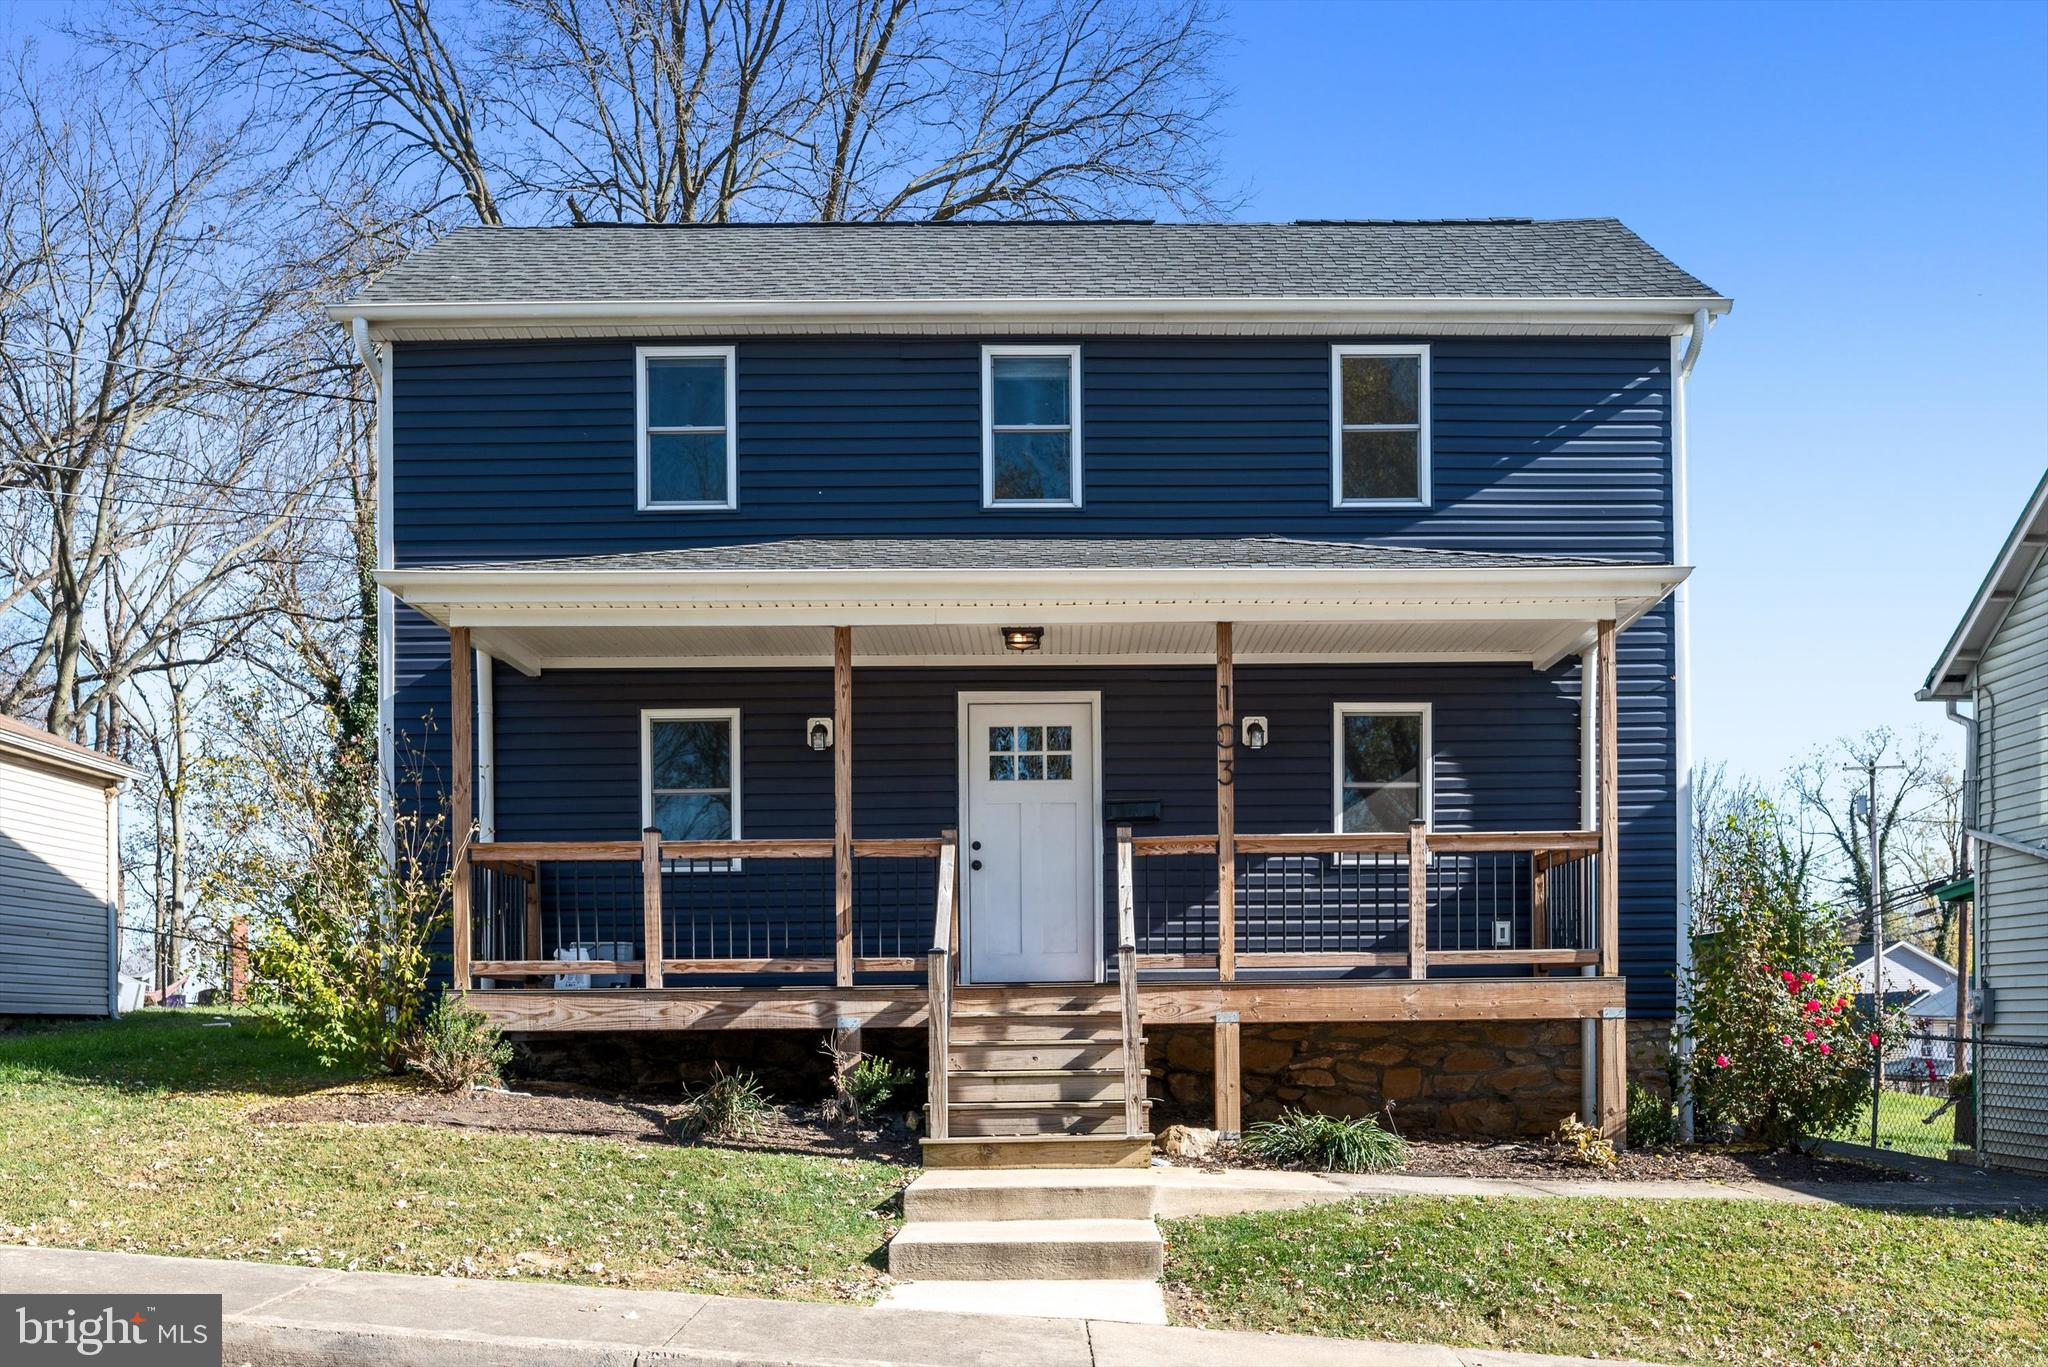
(307, 1317)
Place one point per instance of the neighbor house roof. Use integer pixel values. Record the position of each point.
(1063, 269)
(33, 742)
(1201, 555)
(2022, 551)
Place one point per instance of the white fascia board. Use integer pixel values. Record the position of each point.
(60, 754)
(1278, 309)
(2024, 547)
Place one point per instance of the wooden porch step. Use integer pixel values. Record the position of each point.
(1028, 1003)
(1031, 1056)
(1041, 1087)
(1040, 1151)
(1000, 1029)
(1037, 1117)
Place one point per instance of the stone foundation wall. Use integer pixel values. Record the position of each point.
(1477, 1078)
(663, 1064)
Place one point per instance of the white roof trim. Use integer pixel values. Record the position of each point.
(498, 603)
(62, 754)
(2024, 547)
(628, 315)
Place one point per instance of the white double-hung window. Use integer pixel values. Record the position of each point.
(1379, 426)
(688, 452)
(690, 773)
(1382, 766)
(1031, 427)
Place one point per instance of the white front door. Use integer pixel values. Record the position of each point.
(1032, 880)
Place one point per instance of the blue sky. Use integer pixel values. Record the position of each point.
(1870, 184)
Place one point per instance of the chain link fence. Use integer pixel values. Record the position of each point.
(1912, 1107)
(2011, 1115)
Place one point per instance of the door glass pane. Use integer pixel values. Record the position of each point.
(1381, 465)
(686, 467)
(1031, 738)
(1382, 389)
(1031, 766)
(1030, 391)
(1384, 809)
(686, 391)
(1002, 767)
(1001, 738)
(1032, 466)
(692, 754)
(1382, 749)
(1059, 737)
(1059, 766)
(693, 816)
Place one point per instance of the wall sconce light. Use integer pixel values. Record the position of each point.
(1023, 638)
(1255, 733)
(818, 731)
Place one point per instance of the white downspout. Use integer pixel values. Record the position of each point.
(1589, 807)
(486, 749)
(379, 365)
(1681, 691)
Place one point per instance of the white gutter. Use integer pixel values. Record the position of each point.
(379, 365)
(2006, 842)
(486, 748)
(1681, 687)
(1277, 308)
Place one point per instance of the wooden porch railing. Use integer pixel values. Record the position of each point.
(708, 895)
(1325, 901)
(1127, 988)
(939, 986)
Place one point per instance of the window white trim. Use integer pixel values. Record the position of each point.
(641, 356)
(1426, 803)
(989, 355)
(650, 715)
(1338, 427)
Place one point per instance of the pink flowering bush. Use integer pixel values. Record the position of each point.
(1782, 1049)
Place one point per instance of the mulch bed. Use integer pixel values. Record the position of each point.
(541, 1109)
(1528, 1160)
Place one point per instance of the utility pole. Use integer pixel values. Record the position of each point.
(1874, 887)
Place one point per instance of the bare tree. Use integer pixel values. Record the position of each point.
(689, 111)
(1911, 780)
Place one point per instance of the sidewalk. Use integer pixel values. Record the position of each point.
(307, 1317)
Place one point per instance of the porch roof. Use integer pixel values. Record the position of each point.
(1100, 600)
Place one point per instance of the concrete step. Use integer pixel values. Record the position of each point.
(1035, 1194)
(1036, 1117)
(1030, 1056)
(1088, 1028)
(1038, 1151)
(1044, 1085)
(1027, 1250)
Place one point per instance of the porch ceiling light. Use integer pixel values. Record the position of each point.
(1023, 638)
(818, 733)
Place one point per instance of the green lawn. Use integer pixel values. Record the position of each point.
(1899, 1126)
(135, 1136)
(1690, 1281)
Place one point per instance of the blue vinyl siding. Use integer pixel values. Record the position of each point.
(1543, 445)
(525, 450)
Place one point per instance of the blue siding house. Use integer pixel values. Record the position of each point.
(1077, 632)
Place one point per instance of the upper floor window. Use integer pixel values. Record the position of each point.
(688, 457)
(1379, 426)
(1383, 766)
(1031, 427)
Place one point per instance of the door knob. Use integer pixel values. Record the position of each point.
(975, 865)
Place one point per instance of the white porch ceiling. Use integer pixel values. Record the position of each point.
(694, 646)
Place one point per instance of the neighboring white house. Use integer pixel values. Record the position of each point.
(1997, 664)
(1907, 968)
(60, 875)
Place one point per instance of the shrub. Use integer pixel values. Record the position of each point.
(459, 1048)
(1780, 1048)
(733, 1106)
(869, 1083)
(1325, 1143)
(1652, 1119)
(1579, 1143)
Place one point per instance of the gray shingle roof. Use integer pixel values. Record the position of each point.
(1468, 259)
(1046, 553)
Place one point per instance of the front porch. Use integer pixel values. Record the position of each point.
(1237, 920)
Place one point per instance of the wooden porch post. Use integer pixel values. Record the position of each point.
(1229, 1076)
(1611, 1077)
(1418, 898)
(1226, 816)
(842, 803)
(650, 905)
(461, 756)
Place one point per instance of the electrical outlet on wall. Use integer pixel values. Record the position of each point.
(1503, 934)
